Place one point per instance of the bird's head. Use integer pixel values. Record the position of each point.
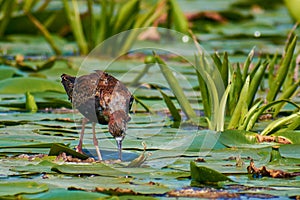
(68, 83)
(117, 124)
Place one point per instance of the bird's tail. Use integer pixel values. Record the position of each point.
(68, 83)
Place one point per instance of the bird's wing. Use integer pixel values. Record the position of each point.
(113, 94)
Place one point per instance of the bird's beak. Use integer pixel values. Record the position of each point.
(119, 143)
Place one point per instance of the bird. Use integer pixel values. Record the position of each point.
(103, 99)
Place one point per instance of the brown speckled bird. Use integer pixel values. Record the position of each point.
(103, 99)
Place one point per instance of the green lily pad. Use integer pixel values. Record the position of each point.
(42, 167)
(62, 194)
(14, 188)
(6, 72)
(205, 175)
(37, 65)
(57, 149)
(293, 136)
(241, 138)
(91, 169)
(28, 84)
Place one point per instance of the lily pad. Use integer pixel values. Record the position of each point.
(6, 72)
(205, 175)
(62, 194)
(240, 138)
(56, 149)
(28, 84)
(14, 188)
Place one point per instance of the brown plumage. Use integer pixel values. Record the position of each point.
(102, 99)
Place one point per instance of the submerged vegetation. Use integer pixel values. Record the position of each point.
(220, 123)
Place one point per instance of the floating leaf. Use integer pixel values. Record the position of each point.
(42, 167)
(238, 138)
(62, 194)
(14, 188)
(205, 175)
(6, 72)
(57, 149)
(28, 84)
(91, 169)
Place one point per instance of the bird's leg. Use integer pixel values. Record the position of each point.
(119, 143)
(96, 142)
(79, 146)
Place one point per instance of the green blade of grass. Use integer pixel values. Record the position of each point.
(172, 108)
(45, 32)
(73, 15)
(262, 109)
(217, 60)
(236, 116)
(175, 86)
(91, 33)
(104, 26)
(255, 83)
(149, 62)
(221, 111)
(287, 94)
(289, 80)
(179, 19)
(248, 115)
(234, 94)
(125, 15)
(145, 106)
(247, 64)
(203, 90)
(214, 101)
(224, 69)
(282, 121)
(144, 20)
(7, 8)
(283, 70)
(271, 69)
(213, 80)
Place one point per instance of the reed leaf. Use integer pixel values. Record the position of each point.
(145, 106)
(247, 64)
(217, 60)
(149, 62)
(125, 16)
(73, 15)
(248, 115)
(7, 8)
(234, 94)
(29, 4)
(283, 70)
(225, 69)
(178, 17)
(176, 89)
(203, 90)
(259, 111)
(221, 110)
(255, 82)
(172, 108)
(289, 80)
(287, 94)
(277, 124)
(237, 113)
(214, 101)
(271, 75)
(44, 32)
(144, 20)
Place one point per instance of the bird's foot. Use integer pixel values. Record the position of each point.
(79, 149)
